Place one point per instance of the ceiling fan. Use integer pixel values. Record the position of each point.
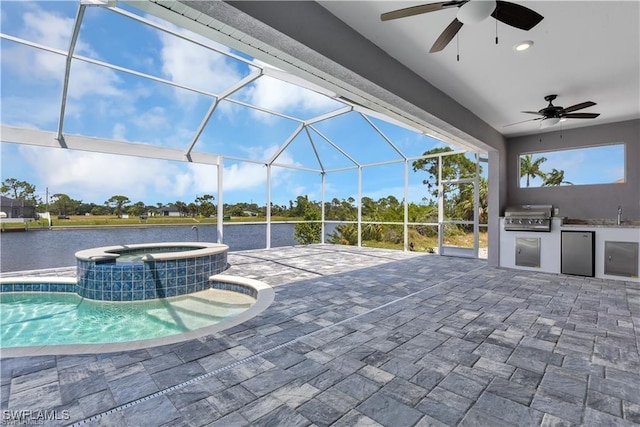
(471, 12)
(552, 114)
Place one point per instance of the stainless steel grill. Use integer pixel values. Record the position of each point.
(528, 218)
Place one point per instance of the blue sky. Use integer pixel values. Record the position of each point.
(107, 103)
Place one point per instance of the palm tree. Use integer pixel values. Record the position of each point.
(531, 168)
(555, 178)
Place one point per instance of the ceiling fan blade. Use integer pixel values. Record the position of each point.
(533, 112)
(524, 121)
(581, 115)
(446, 36)
(516, 15)
(417, 10)
(579, 106)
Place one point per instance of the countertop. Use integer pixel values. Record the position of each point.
(599, 223)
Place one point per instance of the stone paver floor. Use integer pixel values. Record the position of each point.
(367, 337)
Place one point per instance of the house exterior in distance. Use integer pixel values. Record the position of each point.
(170, 210)
(16, 208)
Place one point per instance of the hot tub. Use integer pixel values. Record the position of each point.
(148, 271)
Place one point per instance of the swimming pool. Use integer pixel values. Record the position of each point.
(44, 315)
(32, 319)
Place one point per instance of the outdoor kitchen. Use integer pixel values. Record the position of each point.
(532, 238)
(587, 229)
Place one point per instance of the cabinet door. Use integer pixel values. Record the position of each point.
(528, 251)
(621, 258)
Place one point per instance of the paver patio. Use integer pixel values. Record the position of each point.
(370, 337)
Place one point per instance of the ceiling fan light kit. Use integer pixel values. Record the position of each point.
(551, 121)
(475, 11)
(471, 12)
(553, 114)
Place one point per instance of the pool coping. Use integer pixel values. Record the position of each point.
(265, 295)
(106, 252)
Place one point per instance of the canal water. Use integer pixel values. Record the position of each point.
(38, 249)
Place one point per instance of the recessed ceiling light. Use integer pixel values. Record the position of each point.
(523, 45)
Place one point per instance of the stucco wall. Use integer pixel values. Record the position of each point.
(581, 201)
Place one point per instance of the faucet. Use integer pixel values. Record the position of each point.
(619, 220)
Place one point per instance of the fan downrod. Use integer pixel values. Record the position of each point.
(550, 98)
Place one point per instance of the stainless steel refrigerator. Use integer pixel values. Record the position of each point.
(578, 253)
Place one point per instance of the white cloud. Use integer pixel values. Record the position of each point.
(94, 177)
(241, 175)
(155, 118)
(283, 97)
(192, 65)
(50, 29)
(119, 132)
(38, 75)
(47, 28)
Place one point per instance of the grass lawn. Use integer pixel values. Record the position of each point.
(110, 220)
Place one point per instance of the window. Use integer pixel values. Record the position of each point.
(603, 164)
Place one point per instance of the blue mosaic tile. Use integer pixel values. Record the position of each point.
(146, 280)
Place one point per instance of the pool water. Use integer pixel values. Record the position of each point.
(34, 319)
(136, 256)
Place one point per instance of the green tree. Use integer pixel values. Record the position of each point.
(300, 207)
(182, 208)
(117, 203)
(137, 209)
(19, 190)
(530, 167)
(459, 197)
(64, 204)
(454, 166)
(100, 210)
(306, 233)
(205, 204)
(555, 178)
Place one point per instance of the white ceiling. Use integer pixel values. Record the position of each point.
(583, 51)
